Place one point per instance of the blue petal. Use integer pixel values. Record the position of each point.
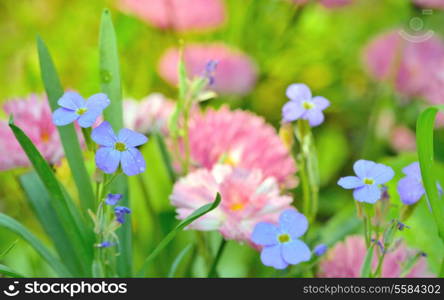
(265, 234)
(107, 159)
(271, 256)
(413, 170)
(367, 193)
(293, 223)
(132, 162)
(104, 135)
(381, 173)
(89, 117)
(131, 138)
(320, 249)
(362, 167)
(350, 182)
(314, 116)
(320, 103)
(410, 190)
(112, 199)
(298, 91)
(62, 116)
(295, 252)
(98, 101)
(71, 100)
(292, 110)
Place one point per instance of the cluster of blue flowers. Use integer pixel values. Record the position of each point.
(114, 150)
(368, 184)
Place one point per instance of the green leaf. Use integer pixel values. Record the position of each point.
(7, 271)
(424, 140)
(67, 214)
(166, 159)
(110, 71)
(366, 268)
(178, 260)
(16, 227)
(187, 221)
(111, 86)
(158, 179)
(41, 203)
(68, 135)
(7, 250)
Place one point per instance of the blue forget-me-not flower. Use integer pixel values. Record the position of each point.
(74, 107)
(367, 183)
(303, 106)
(281, 243)
(118, 149)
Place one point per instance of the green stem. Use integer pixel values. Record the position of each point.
(366, 233)
(213, 271)
(379, 267)
(186, 139)
(155, 219)
(86, 132)
(309, 171)
(203, 248)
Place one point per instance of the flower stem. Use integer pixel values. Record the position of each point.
(213, 271)
(309, 172)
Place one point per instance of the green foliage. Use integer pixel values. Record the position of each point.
(67, 133)
(182, 224)
(68, 215)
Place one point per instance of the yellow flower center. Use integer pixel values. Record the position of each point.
(44, 136)
(119, 146)
(368, 181)
(284, 238)
(237, 206)
(307, 105)
(81, 111)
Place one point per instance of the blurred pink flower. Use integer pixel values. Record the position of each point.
(240, 139)
(151, 113)
(413, 67)
(181, 15)
(403, 139)
(346, 258)
(248, 197)
(438, 4)
(235, 73)
(33, 116)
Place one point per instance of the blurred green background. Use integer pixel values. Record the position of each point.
(313, 45)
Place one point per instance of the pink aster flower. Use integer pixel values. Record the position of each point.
(412, 66)
(438, 4)
(151, 113)
(403, 139)
(248, 197)
(346, 258)
(34, 117)
(240, 139)
(235, 74)
(180, 15)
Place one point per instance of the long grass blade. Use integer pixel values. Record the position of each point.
(111, 85)
(68, 135)
(19, 229)
(68, 215)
